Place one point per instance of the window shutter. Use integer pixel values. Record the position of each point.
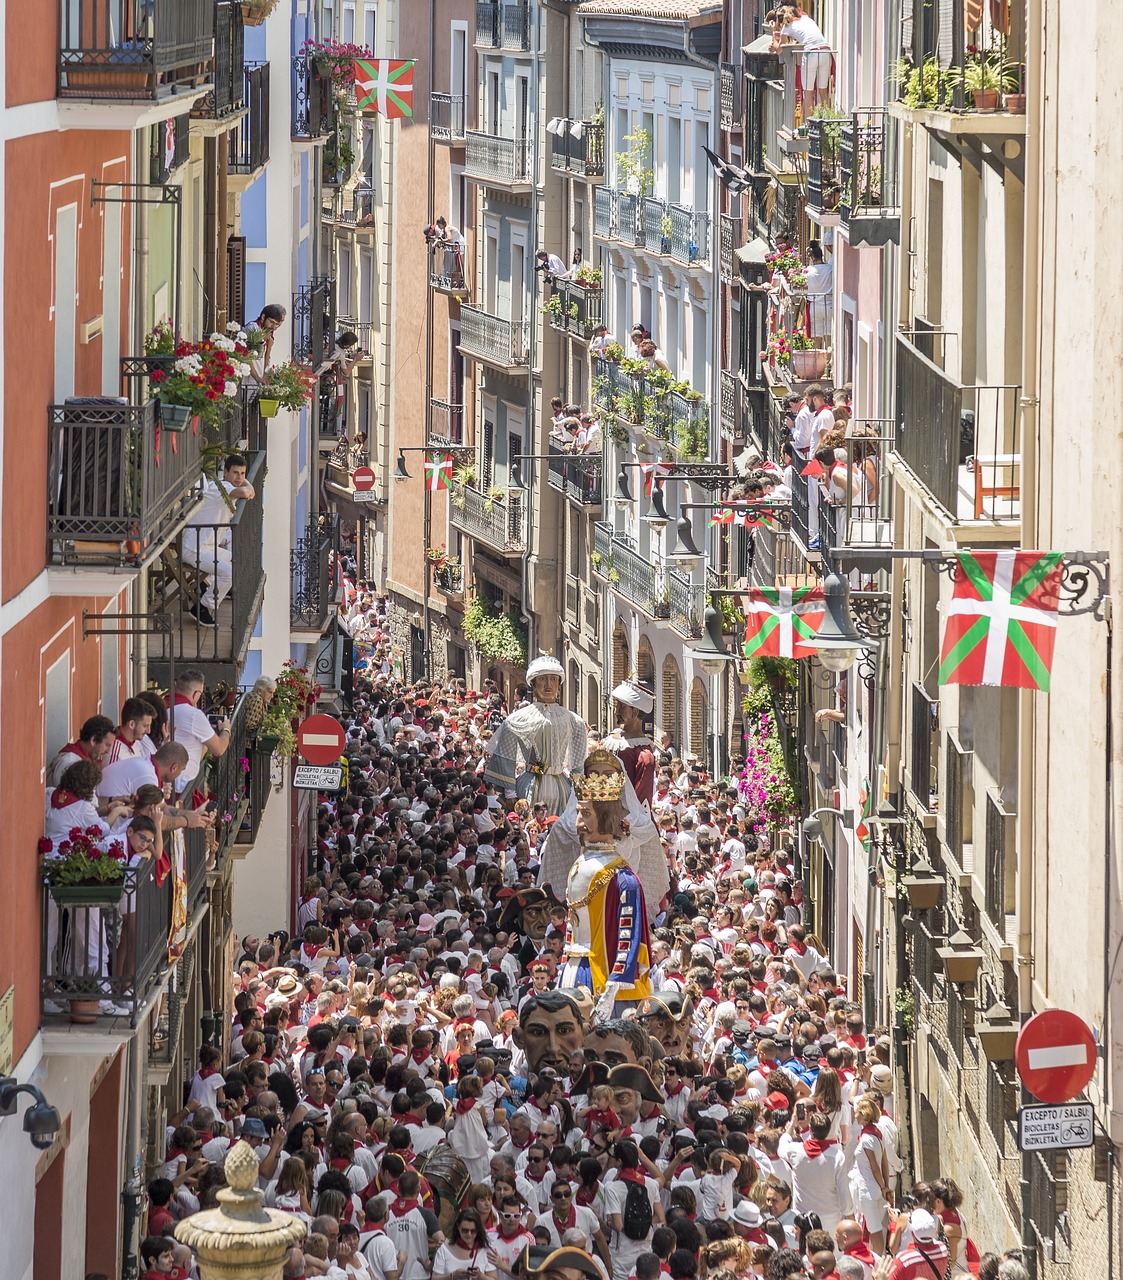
(672, 702)
(698, 720)
(621, 663)
(645, 664)
(236, 278)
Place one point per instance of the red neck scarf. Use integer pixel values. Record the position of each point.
(61, 799)
(873, 1131)
(420, 1056)
(568, 1222)
(310, 949)
(75, 749)
(586, 1196)
(632, 1175)
(814, 1147)
(673, 1093)
(862, 1252)
(401, 1207)
(767, 1066)
(464, 1105)
(180, 700)
(800, 948)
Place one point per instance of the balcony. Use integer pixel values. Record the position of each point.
(313, 320)
(311, 600)
(447, 423)
(446, 118)
(732, 420)
(578, 148)
(503, 26)
(202, 555)
(497, 162)
(577, 476)
(249, 142)
(575, 308)
(730, 97)
(449, 579)
(355, 219)
(864, 518)
(162, 161)
(313, 106)
(238, 783)
(134, 50)
(117, 490)
(729, 241)
(446, 268)
(684, 605)
(869, 200)
(228, 95)
(499, 524)
(617, 560)
(676, 232)
(653, 405)
(764, 93)
(824, 173)
(493, 339)
(618, 215)
(963, 444)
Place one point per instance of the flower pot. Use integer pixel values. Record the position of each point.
(267, 743)
(809, 364)
(253, 17)
(986, 99)
(175, 417)
(1015, 103)
(84, 1010)
(267, 407)
(87, 895)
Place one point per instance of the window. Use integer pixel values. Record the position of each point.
(110, 691)
(458, 69)
(621, 657)
(699, 719)
(349, 24)
(56, 706)
(492, 123)
(65, 300)
(487, 452)
(370, 14)
(343, 271)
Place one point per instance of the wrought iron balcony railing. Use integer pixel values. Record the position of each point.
(574, 307)
(447, 422)
(249, 142)
(730, 97)
(824, 174)
(493, 339)
(498, 523)
(578, 147)
(503, 26)
(502, 162)
(228, 94)
(131, 50)
(449, 579)
(729, 241)
(310, 560)
(447, 267)
(869, 199)
(446, 117)
(627, 572)
(578, 476)
(313, 318)
(313, 107)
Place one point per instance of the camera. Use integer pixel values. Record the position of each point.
(431, 232)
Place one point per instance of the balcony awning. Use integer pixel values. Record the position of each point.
(557, 126)
(761, 45)
(753, 254)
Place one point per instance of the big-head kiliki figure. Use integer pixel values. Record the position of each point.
(607, 944)
(536, 748)
(629, 741)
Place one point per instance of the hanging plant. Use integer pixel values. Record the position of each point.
(500, 637)
(769, 783)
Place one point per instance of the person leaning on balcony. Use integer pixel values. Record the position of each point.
(820, 295)
(94, 742)
(206, 537)
(551, 266)
(793, 27)
(192, 729)
(72, 803)
(268, 322)
(655, 358)
(601, 340)
(136, 720)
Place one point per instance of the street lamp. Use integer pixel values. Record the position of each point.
(838, 644)
(40, 1122)
(709, 653)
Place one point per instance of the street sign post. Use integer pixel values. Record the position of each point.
(1069, 1125)
(1055, 1055)
(316, 777)
(320, 739)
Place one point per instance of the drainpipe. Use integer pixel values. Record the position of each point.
(427, 497)
(131, 1193)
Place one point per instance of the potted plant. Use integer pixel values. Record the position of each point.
(203, 379)
(437, 556)
(807, 361)
(254, 12)
(336, 60)
(614, 353)
(85, 993)
(588, 277)
(285, 386)
(275, 737)
(984, 76)
(85, 869)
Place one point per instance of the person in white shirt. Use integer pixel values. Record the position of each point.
(125, 778)
(800, 29)
(820, 294)
(136, 720)
(818, 1169)
(192, 729)
(206, 537)
(384, 1260)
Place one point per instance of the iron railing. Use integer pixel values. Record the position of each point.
(957, 770)
(685, 602)
(231, 786)
(310, 574)
(498, 341)
(578, 476)
(1048, 1202)
(446, 117)
(730, 77)
(207, 559)
(313, 319)
(117, 489)
(729, 241)
(92, 951)
(731, 406)
(645, 403)
(446, 266)
(676, 231)
(228, 94)
(447, 422)
(501, 161)
(940, 35)
(824, 141)
(627, 572)
(133, 49)
(924, 718)
(502, 26)
(313, 105)
(581, 153)
(249, 142)
(869, 198)
(604, 213)
(450, 579)
(487, 24)
(628, 227)
(500, 524)
(962, 443)
(577, 309)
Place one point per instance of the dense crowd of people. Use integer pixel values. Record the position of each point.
(426, 1097)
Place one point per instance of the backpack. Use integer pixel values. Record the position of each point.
(637, 1212)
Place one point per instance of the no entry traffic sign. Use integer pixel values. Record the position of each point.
(363, 478)
(320, 739)
(1056, 1055)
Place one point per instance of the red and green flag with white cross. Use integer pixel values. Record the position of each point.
(1001, 621)
(781, 620)
(438, 471)
(385, 85)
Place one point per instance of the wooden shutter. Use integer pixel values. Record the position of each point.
(672, 702)
(236, 278)
(698, 720)
(621, 662)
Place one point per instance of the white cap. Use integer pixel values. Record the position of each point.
(633, 696)
(924, 1225)
(746, 1214)
(545, 666)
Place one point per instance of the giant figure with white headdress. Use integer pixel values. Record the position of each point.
(536, 749)
(629, 743)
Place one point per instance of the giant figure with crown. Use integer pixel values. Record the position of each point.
(607, 944)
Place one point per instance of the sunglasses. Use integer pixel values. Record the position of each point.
(511, 1217)
(562, 1195)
